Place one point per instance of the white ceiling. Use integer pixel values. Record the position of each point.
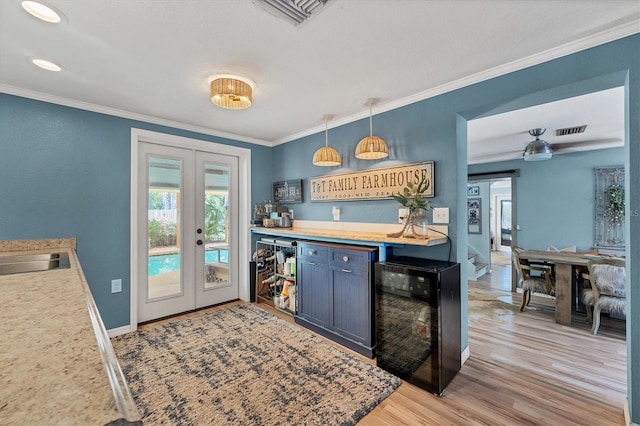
(150, 59)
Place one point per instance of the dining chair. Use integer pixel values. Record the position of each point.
(529, 282)
(608, 289)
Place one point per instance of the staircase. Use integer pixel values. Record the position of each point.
(478, 268)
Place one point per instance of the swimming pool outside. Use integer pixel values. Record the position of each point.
(171, 262)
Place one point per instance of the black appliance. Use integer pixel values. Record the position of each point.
(418, 323)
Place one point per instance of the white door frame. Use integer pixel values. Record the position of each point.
(244, 206)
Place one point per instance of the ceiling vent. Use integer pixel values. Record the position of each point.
(294, 11)
(571, 130)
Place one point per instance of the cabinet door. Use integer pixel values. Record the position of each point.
(352, 304)
(314, 292)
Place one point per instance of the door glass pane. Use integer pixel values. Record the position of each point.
(165, 184)
(216, 225)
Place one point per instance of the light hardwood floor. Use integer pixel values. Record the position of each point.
(523, 370)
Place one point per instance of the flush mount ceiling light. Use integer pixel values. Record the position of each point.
(45, 65)
(293, 11)
(326, 156)
(230, 91)
(42, 11)
(538, 149)
(371, 147)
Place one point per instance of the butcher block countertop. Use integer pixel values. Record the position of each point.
(54, 363)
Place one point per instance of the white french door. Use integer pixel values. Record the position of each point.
(187, 211)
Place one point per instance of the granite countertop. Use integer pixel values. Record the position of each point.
(51, 366)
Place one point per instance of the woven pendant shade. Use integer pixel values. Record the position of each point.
(371, 147)
(230, 93)
(326, 156)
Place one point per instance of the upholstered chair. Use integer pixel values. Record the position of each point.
(542, 282)
(608, 289)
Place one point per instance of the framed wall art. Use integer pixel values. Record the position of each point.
(288, 191)
(473, 190)
(474, 216)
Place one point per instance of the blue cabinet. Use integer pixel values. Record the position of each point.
(335, 284)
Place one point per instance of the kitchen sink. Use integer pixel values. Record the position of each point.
(22, 263)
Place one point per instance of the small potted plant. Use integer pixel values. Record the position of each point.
(412, 198)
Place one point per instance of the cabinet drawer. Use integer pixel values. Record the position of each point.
(350, 259)
(313, 252)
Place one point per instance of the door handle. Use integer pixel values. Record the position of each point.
(199, 242)
(199, 231)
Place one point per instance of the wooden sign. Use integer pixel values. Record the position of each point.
(371, 184)
(288, 191)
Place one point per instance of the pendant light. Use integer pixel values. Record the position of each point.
(371, 147)
(326, 156)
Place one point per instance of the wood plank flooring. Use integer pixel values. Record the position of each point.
(523, 370)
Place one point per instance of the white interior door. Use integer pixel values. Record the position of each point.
(217, 228)
(187, 258)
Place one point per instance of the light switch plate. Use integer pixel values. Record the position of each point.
(116, 286)
(441, 215)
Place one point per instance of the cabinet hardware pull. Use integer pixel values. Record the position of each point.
(312, 263)
(347, 270)
(312, 252)
(345, 258)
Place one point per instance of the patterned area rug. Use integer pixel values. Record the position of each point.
(486, 304)
(245, 366)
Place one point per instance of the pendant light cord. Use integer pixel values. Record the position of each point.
(326, 131)
(370, 119)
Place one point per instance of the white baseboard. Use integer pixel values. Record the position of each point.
(113, 332)
(464, 356)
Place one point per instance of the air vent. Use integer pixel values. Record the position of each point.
(571, 130)
(294, 11)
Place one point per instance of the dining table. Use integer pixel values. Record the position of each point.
(565, 263)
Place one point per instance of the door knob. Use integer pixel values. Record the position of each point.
(199, 242)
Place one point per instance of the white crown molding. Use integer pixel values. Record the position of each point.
(45, 97)
(590, 41)
(621, 31)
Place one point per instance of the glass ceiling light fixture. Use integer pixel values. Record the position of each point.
(326, 156)
(230, 91)
(43, 12)
(371, 147)
(538, 149)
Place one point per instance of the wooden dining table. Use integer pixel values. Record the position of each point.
(564, 265)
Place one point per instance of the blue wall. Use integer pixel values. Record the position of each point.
(65, 172)
(556, 198)
(435, 129)
(43, 145)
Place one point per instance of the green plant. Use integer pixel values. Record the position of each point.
(215, 213)
(614, 209)
(412, 197)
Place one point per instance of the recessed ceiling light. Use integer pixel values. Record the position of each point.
(42, 11)
(45, 65)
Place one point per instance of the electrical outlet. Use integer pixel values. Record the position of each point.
(441, 215)
(116, 286)
(402, 214)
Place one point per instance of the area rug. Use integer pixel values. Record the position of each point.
(245, 366)
(486, 304)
